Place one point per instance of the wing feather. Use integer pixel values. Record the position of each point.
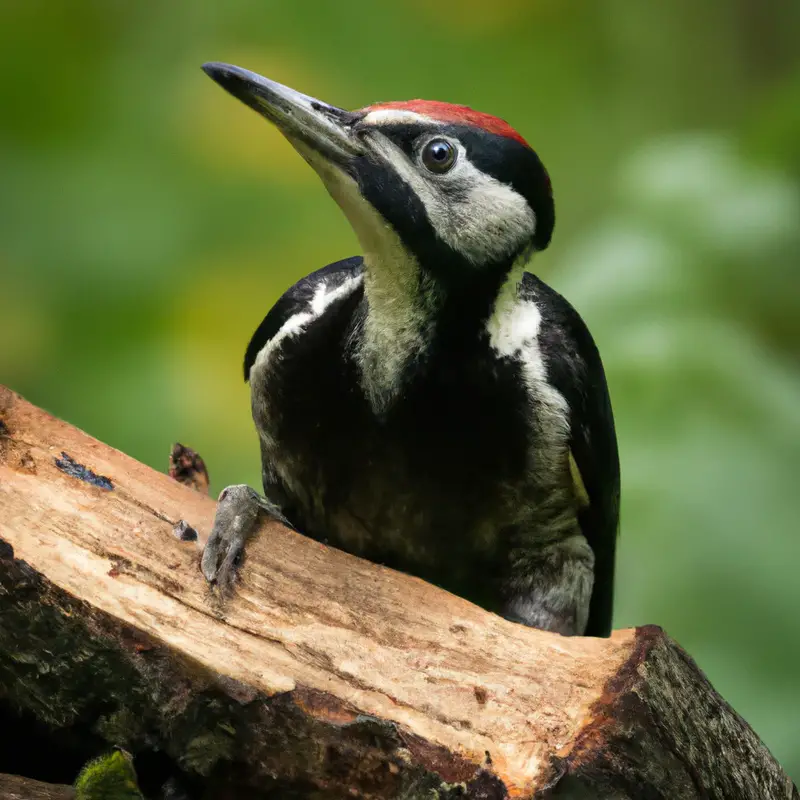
(295, 300)
(576, 370)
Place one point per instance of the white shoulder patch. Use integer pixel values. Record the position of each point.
(513, 330)
(323, 297)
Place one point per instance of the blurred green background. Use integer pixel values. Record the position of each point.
(148, 221)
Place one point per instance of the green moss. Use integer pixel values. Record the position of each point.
(110, 777)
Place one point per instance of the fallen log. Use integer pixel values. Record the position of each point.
(13, 787)
(324, 676)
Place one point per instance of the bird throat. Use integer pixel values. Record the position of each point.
(400, 311)
(410, 318)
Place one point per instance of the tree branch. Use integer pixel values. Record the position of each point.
(13, 787)
(324, 673)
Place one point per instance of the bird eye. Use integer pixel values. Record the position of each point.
(438, 156)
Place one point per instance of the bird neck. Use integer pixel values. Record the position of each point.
(399, 314)
(411, 316)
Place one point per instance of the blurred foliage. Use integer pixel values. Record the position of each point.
(148, 221)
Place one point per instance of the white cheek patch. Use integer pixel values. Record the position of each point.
(474, 213)
(491, 221)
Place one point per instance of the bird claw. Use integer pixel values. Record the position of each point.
(234, 523)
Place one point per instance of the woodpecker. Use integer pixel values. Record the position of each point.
(432, 405)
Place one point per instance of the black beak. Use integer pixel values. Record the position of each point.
(302, 119)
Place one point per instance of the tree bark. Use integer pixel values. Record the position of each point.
(323, 676)
(13, 787)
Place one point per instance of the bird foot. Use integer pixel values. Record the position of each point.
(235, 522)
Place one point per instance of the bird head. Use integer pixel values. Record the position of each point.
(461, 192)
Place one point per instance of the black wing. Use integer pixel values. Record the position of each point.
(296, 299)
(575, 369)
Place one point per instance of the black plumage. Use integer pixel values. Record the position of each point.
(402, 489)
(432, 406)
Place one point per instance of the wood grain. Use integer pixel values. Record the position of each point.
(328, 669)
(13, 787)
